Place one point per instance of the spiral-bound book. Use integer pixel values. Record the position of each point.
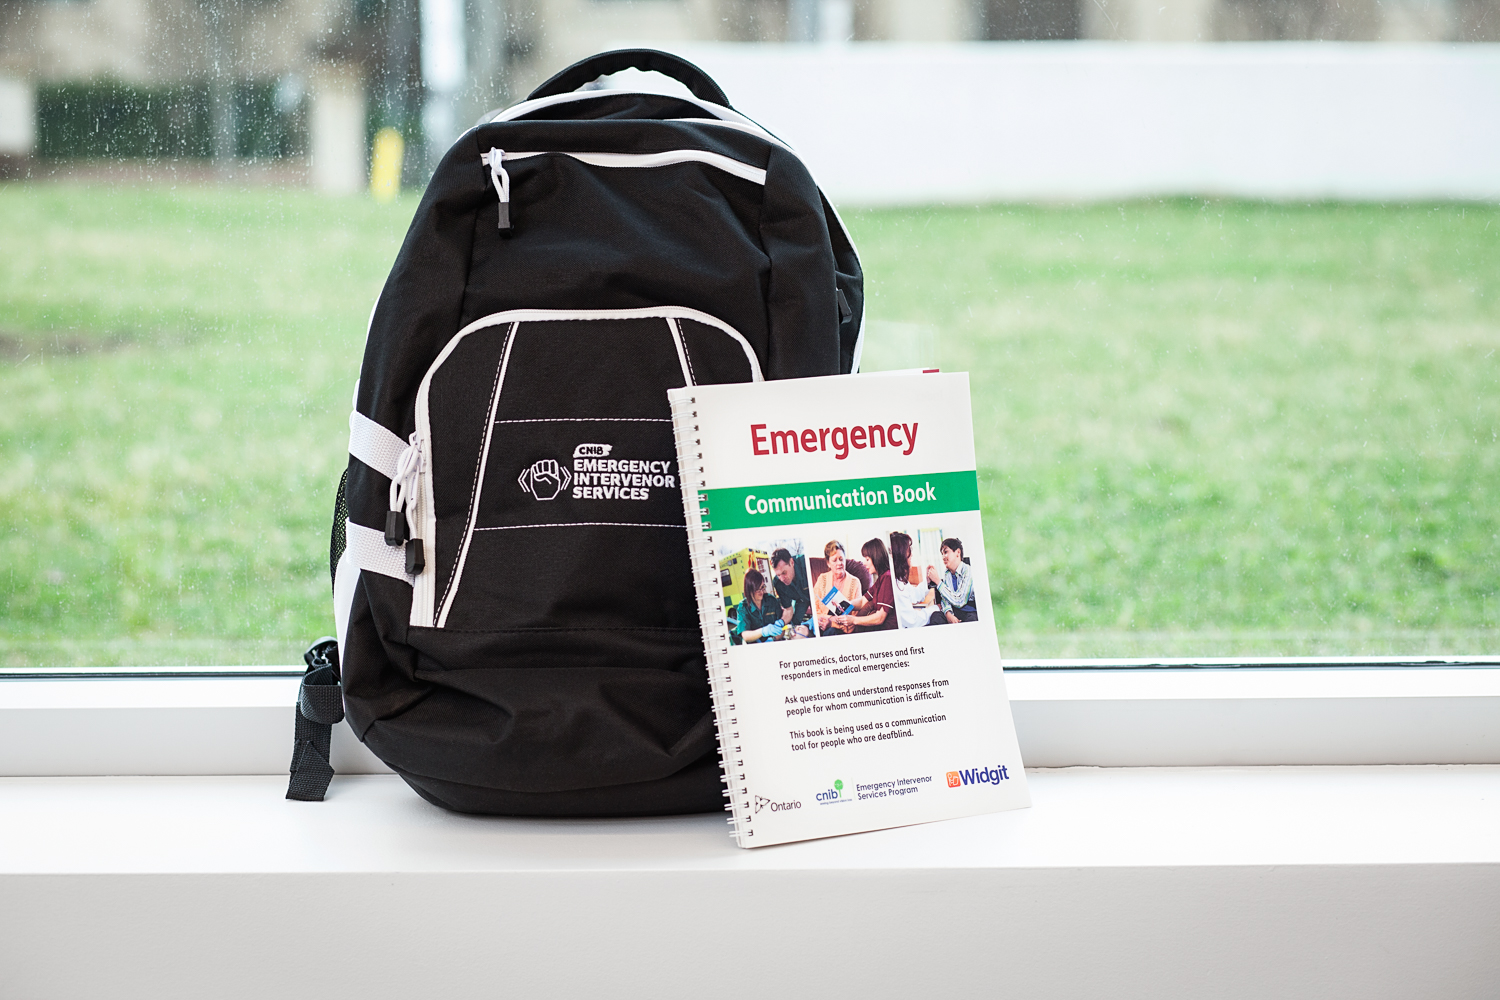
(839, 559)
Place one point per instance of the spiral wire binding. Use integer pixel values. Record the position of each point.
(715, 628)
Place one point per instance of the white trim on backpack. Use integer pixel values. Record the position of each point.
(756, 130)
(484, 457)
(751, 128)
(748, 127)
(728, 164)
(424, 609)
(374, 444)
(682, 357)
(369, 552)
(370, 323)
(526, 107)
(644, 312)
(722, 116)
(859, 345)
(344, 576)
(364, 549)
(859, 335)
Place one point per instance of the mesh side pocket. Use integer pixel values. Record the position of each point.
(337, 542)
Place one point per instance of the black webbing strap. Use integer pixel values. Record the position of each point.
(320, 706)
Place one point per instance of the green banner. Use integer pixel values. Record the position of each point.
(838, 500)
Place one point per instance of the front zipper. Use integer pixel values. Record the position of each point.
(496, 159)
(403, 521)
(422, 512)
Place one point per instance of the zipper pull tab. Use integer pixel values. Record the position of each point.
(395, 528)
(501, 180)
(400, 519)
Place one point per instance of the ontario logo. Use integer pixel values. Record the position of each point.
(978, 776)
(832, 796)
(761, 802)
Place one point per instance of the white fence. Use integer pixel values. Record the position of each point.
(889, 124)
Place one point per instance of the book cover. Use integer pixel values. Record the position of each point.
(839, 558)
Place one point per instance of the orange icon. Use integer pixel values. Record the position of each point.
(953, 779)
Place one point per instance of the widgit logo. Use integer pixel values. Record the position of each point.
(978, 776)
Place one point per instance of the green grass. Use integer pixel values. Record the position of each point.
(177, 382)
(1219, 428)
(1204, 428)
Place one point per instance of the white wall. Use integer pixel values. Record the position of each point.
(17, 118)
(336, 130)
(910, 124)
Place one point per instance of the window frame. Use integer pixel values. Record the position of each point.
(1114, 713)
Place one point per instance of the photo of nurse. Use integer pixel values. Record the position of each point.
(835, 591)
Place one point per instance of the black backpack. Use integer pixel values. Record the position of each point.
(518, 630)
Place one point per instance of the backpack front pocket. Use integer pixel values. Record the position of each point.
(551, 492)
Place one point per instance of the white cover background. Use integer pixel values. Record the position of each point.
(937, 403)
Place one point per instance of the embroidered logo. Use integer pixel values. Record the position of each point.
(596, 476)
(545, 479)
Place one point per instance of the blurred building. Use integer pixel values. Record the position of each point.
(306, 82)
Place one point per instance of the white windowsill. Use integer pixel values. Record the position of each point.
(1122, 881)
(1328, 882)
(1251, 716)
(1109, 717)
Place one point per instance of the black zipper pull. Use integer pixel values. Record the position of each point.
(395, 528)
(415, 562)
(844, 311)
(501, 180)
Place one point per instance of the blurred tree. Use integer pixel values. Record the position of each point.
(1297, 20)
(1030, 20)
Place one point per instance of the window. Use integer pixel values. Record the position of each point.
(1216, 428)
(1208, 427)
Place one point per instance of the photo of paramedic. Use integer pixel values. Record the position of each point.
(914, 597)
(758, 618)
(955, 586)
(789, 589)
(876, 610)
(834, 591)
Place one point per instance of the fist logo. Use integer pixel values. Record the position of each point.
(545, 479)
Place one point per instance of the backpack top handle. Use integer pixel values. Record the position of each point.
(647, 60)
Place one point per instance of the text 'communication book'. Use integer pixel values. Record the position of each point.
(835, 534)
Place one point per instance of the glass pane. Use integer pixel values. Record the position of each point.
(178, 369)
(1206, 427)
(1217, 428)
